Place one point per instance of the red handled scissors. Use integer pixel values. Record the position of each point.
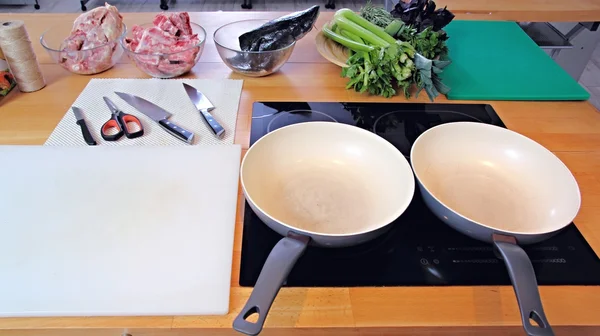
(120, 121)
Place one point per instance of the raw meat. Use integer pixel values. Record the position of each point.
(137, 32)
(163, 23)
(155, 41)
(93, 41)
(169, 48)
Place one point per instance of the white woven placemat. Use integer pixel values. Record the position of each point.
(166, 93)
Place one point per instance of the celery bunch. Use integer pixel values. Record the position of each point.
(379, 62)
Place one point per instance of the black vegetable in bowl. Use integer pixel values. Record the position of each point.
(281, 32)
(254, 62)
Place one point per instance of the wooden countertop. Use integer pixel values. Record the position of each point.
(527, 10)
(569, 129)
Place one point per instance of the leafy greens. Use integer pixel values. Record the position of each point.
(379, 62)
(376, 15)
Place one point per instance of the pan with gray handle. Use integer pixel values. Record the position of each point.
(323, 184)
(498, 186)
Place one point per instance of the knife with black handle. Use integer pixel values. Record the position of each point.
(214, 125)
(158, 114)
(87, 136)
(176, 130)
(204, 106)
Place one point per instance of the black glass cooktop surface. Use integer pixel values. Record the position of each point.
(419, 249)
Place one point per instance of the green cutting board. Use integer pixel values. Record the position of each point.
(496, 60)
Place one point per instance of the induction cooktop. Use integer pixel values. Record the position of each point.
(419, 249)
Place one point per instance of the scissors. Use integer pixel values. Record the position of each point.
(119, 121)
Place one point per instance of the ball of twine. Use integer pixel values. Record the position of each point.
(19, 55)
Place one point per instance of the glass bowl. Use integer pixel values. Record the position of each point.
(167, 64)
(248, 63)
(83, 62)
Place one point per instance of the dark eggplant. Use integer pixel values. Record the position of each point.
(281, 32)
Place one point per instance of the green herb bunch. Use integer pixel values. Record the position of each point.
(379, 72)
(376, 15)
(387, 55)
(429, 43)
(419, 29)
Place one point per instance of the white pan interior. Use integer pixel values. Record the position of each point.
(496, 178)
(327, 178)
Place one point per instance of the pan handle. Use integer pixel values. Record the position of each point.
(525, 284)
(279, 263)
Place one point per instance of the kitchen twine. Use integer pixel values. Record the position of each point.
(19, 55)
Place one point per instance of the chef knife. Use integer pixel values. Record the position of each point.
(157, 114)
(87, 136)
(204, 106)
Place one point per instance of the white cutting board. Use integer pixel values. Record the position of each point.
(88, 231)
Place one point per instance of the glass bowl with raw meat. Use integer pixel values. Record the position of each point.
(89, 45)
(168, 47)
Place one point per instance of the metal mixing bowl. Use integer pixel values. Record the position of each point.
(248, 63)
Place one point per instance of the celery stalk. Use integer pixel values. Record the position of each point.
(361, 32)
(348, 36)
(351, 36)
(350, 44)
(336, 30)
(393, 28)
(362, 22)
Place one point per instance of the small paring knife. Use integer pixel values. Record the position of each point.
(158, 114)
(87, 136)
(204, 106)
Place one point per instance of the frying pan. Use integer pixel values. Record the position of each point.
(319, 183)
(498, 186)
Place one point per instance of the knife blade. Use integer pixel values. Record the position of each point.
(158, 114)
(87, 136)
(204, 106)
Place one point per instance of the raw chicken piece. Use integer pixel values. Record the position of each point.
(137, 32)
(93, 40)
(168, 48)
(166, 67)
(182, 22)
(177, 24)
(185, 43)
(163, 22)
(154, 40)
(74, 42)
(107, 18)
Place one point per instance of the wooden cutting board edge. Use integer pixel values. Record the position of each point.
(331, 50)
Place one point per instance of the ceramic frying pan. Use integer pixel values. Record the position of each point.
(498, 186)
(319, 183)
